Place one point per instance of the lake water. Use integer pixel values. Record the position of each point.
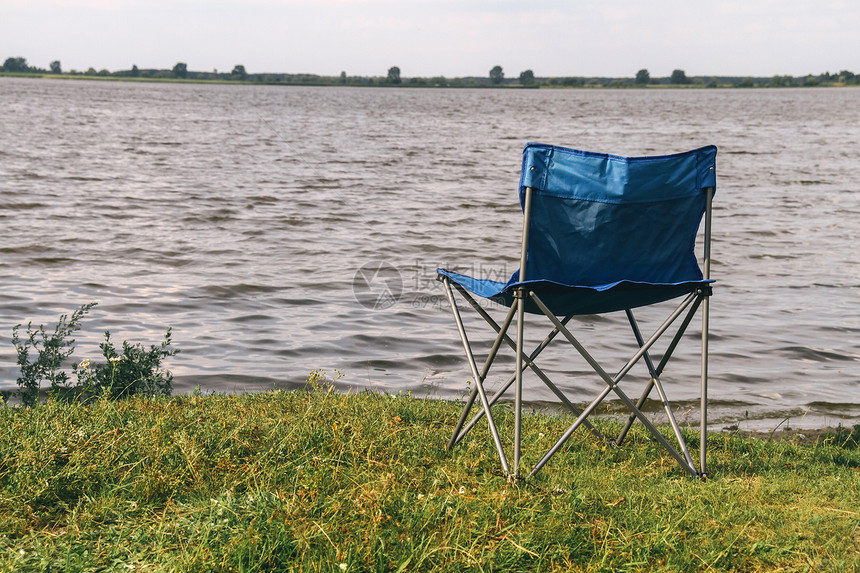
(246, 217)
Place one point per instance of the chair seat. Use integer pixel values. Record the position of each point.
(567, 300)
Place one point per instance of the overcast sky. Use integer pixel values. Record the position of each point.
(454, 38)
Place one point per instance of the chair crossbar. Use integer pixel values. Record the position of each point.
(500, 330)
(527, 360)
(656, 372)
(613, 383)
(460, 430)
(655, 382)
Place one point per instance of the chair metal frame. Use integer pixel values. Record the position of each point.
(685, 311)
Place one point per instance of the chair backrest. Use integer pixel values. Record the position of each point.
(597, 219)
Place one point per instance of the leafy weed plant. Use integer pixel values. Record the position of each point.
(133, 370)
(41, 355)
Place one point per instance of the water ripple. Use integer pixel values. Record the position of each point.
(241, 216)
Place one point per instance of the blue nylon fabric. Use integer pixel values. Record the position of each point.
(607, 232)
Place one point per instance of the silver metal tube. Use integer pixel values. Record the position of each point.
(564, 437)
(527, 212)
(531, 364)
(703, 431)
(641, 402)
(521, 301)
(709, 201)
(457, 436)
(678, 335)
(613, 383)
(518, 396)
(675, 428)
(501, 335)
(472, 395)
(632, 417)
(654, 337)
(467, 428)
(492, 424)
(658, 371)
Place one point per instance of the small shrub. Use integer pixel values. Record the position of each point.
(319, 381)
(134, 370)
(50, 352)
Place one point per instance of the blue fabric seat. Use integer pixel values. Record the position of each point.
(601, 233)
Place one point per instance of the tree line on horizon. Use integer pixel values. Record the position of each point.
(495, 78)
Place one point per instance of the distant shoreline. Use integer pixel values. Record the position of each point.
(427, 83)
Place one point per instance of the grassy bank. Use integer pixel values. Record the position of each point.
(319, 481)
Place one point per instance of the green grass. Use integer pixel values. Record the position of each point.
(321, 481)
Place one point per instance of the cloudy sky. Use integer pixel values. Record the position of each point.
(453, 38)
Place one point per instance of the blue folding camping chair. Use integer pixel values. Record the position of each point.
(601, 234)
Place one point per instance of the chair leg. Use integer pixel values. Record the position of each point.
(632, 417)
(518, 392)
(501, 333)
(703, 431)
(478, 382)
(456, 436)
